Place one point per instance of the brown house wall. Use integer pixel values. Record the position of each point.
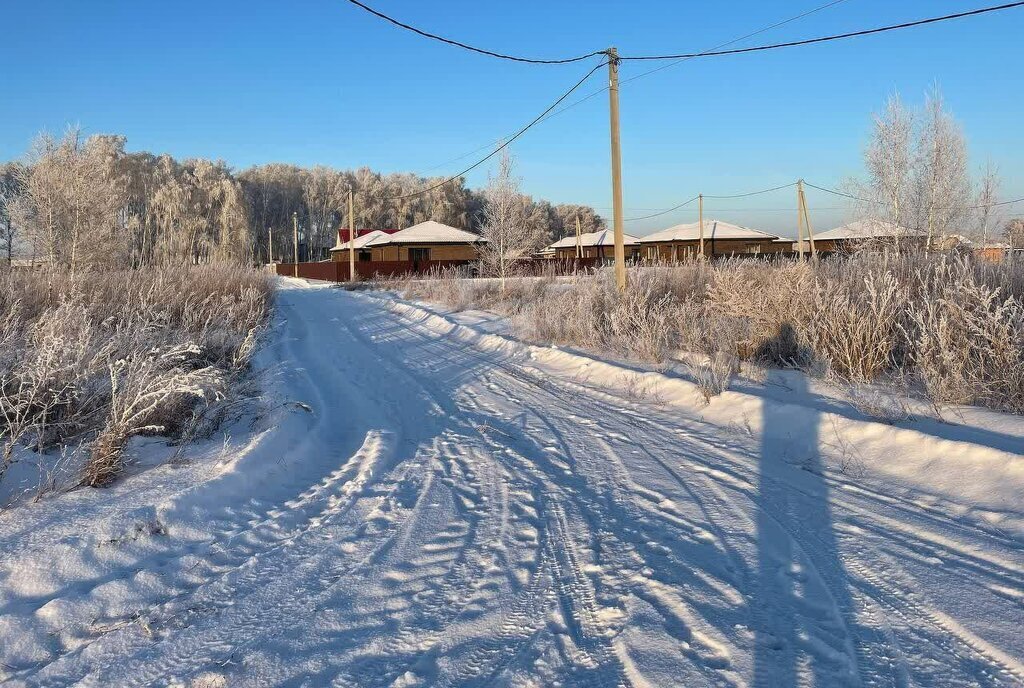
(668, 251)
(606, 252)
(437, 251)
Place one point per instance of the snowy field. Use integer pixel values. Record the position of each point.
(427, 503)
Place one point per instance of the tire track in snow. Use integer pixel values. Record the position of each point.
(843, 503)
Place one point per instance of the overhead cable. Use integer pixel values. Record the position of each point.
(824, 39)
(504, 144)
(876, 202)
(474, 49)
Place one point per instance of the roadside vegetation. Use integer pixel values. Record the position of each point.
(944, 327)
(90, 361)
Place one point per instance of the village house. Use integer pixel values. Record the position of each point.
(866, 233)
(339, 254)
(599, 245)
(720, 239)
(426, 242)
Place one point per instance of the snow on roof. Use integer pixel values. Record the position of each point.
(866, 229)
(363, 241)
(605, 237)
(713, 229)
(430, 232)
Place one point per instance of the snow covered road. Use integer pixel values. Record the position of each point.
(450, 508)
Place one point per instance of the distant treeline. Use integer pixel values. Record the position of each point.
(88, 202)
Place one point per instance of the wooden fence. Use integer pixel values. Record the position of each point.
(376, 269)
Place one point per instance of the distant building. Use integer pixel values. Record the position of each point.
(867, 233)
(720, 239)
(599, 245)
(426, 242)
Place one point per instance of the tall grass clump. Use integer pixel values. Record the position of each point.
(92, 360)
(945, 326)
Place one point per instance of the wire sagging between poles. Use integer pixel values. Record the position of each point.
(505, 144)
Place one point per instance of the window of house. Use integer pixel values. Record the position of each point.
(418, 255)
(364, 256)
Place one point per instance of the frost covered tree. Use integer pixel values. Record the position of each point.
(1014, 231)
(70, 200)
(510, 236)
(324, 195)
(917, 172)
(84, 202)
(888, 159)
(11, 175)
(986, 212)
(942, 186)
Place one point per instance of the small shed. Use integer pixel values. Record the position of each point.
(425, 242)
(599, 245)
(720, 239)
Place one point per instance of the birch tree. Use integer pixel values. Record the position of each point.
(986, 212)
(942, 184)
(509, 235)
(888, 158)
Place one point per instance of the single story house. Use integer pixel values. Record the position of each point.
(596, 245)
(427, 241)
(339, 254)
(863, 233)
(720, 239)
(994, 252)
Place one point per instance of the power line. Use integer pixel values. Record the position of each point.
(824, 39)
(663, 212)
(741, 38)
(505, 143)
(754, 193)
(739, 195)
(458, 44)
(601, 90)
(954, 207)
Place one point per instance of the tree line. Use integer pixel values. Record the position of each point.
(88, 202)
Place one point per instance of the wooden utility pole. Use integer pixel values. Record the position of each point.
(700, 222)
(579, 240)
(613, 111)
(351, 237)
(295, 240)
(799, 223)
(807, 217)
(270, 244)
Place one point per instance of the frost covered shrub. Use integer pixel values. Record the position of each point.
(96, 359)
(856, 328)
(968, 338)
(950, 327)
(773, 301)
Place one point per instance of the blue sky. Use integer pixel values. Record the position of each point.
(323, 82)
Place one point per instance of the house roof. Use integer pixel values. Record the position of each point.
(362, 241)
(430, 232)
(866, 229)
(605, 237)
(713, 229)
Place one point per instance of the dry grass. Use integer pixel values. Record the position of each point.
(949, 327)
(100, 358)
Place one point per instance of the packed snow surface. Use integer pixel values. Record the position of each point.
(428, 502)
